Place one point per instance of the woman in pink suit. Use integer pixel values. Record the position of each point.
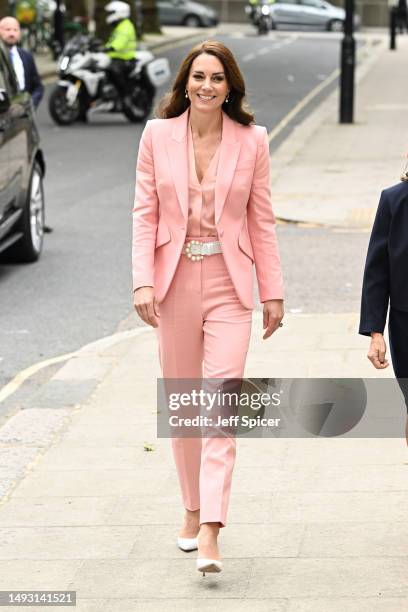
(202, 217)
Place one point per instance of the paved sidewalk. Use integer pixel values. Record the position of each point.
(332, 174)
(315, 525)
(47, 67)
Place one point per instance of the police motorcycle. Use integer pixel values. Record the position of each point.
(85, 83)
(261, 16)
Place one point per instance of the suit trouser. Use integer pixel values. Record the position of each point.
(398, 335)
(204, 330)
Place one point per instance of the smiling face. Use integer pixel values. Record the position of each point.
(207, 84)
(10, 31)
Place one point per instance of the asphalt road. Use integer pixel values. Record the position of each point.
(80, 290)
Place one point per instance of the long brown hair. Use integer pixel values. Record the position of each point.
(174, 103)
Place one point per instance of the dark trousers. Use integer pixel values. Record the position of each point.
(118, 72)
(398, 336)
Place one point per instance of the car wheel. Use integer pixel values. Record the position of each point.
(336, 25)
(31, 224)
(192, 21)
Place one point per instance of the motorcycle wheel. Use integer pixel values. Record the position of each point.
(60, 111)
(262, 27)
(137, 106)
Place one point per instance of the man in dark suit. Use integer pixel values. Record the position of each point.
(22, 60)
(385, 286)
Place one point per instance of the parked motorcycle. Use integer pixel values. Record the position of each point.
(85, 83)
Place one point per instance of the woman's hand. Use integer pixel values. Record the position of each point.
(377, 350)
(272, 315)
(146, 305)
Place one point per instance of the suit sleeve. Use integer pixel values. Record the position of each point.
(145, 214)
(37, 88)
(376, 291)
(262, 227)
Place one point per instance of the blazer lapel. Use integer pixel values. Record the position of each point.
(229, 153)
(177, 153)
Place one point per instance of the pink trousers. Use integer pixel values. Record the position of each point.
(204, 331)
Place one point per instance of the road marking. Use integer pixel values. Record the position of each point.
(12, 386)
(264, 50)
(248, 57)
(301, 105)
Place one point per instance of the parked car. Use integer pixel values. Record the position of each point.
(22, 170)
(317, 13)
(186, 12)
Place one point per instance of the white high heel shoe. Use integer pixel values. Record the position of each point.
(209, 565)
(187, 544)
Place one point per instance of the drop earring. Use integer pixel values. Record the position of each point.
(227, 98)
(185, 93)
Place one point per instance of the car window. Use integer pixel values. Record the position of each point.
(8, 76)
(313, 3)
(287, 1)
(2, 78)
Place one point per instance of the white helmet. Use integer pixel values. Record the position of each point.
(117, 11)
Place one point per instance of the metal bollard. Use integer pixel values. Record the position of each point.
(393, 28)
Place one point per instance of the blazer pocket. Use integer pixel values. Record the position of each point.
(244, 242)
(163, 234)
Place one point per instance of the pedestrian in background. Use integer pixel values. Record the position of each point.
(385, 284)
(23, 61)
(202, 217)
(402, 16)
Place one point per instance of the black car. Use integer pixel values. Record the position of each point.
(22, 170)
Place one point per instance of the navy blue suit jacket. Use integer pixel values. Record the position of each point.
(33, 82)
(386, 269)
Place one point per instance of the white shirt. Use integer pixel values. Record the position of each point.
(18, 66)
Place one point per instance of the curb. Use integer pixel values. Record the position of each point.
(28, 434)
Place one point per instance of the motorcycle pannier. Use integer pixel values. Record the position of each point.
(158, 71)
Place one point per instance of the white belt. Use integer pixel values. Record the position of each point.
(195, 250)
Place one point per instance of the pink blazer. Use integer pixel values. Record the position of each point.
(243, 213)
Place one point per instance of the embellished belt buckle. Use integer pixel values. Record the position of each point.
(193, 250)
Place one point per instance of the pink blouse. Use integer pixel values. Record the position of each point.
(201, 196)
